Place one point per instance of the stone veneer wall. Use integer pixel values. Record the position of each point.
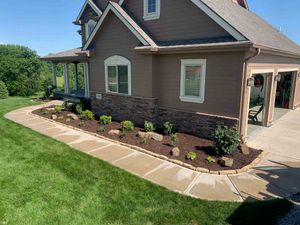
(140, 109)
(125, 108)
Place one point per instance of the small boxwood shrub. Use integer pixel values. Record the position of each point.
(210, 159)
(174, 140)
(101, 129)
(168, 128)
(58, 109)
(3, 90)
(191, 156)
(127, 125)
(225, 140)
(149, 127)
(105, 120)
(68, 105)
(87, 115)
(78, 108)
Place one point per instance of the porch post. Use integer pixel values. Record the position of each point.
(66, 78)
(86, 80)
(54, 71)
(76, 75)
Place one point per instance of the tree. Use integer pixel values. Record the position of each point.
(21, 70)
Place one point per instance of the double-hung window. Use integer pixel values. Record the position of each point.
(192, 83)
(151, 9)
(118, 75)
(89, 27)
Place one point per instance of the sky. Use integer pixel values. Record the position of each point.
(46, 25)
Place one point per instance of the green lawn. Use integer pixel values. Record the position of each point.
(43, 181)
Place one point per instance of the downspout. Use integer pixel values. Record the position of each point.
(244, 86)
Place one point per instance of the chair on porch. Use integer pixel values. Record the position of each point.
(254, 113)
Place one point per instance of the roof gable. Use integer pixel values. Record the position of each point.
(127, 20)
(92, 5)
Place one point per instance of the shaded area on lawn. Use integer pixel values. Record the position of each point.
(46, 182)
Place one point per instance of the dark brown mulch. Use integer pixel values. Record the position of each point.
(186, 143)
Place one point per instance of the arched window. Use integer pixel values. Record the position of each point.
(89, 27)
(118, 75)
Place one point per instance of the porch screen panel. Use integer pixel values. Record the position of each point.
(123, 79)
(192, 80)
(112, 78)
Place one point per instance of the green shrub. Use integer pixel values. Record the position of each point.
(174, 140)
(127, 125)
(168, 128)
(68, 105)
(48, 91)
(149, 127)
(225, 140)
(58, 109)
(78, 108)
(87, 115)
(81, 124)
(3, 90)
(105, 120)
(101, 129)
(191, 156)
(211, 159)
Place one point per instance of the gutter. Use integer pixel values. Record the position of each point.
(244, 86)
(226, 46)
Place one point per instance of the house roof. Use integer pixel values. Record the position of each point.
(127, 20)
(251, 26)
(75, 54)
(92, 5)
(244, 25)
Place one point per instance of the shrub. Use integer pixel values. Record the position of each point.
(168, 128)
(48, 91)
(87, 115)
(81, 124)
(101, 129)
(58, 109)
(68, 105)
(149, 127)
(3, 90)
(174, 140)
(191, 156)
(122, 134)
(210, 159)
(105, 120)
(225, 140)
(78, 108)
(127, 125)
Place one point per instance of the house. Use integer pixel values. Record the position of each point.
(198, 63)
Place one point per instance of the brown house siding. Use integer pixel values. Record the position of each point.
(179, 20)
(114, 38)
(222, 86)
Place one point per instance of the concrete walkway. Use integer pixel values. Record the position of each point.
(276, 176)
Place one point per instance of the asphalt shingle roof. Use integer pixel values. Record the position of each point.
(251, 26)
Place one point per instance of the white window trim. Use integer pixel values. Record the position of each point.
(154, 15)
(87, 35)
(192, 62)
(117, 60)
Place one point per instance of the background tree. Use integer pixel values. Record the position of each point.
(22, 71)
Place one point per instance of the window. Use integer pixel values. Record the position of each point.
(151, 9)
(118, 75)
(89, 27)
(192, 87)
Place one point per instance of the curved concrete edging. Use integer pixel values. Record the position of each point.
(159, 170)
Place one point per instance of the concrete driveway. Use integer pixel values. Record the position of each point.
(283, 138)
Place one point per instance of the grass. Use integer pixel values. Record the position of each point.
(43, 181)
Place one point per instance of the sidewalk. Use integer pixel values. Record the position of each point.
(275, 176)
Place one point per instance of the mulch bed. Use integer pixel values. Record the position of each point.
(186, 143)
